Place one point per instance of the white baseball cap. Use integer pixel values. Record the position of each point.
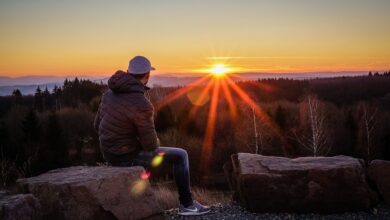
(139, 65)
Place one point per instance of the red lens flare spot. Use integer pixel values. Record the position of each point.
(145, 175)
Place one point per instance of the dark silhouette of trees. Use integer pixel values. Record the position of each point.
(5, 149)
(280, 117)
(16, 93)
(17, 97)
(46, 99)
(350, 90)
(164, 119)
(55, 153)
(38, 99)
(57, 93)
(32, 134)
(52, 129)
(31, 127)
(76, 92)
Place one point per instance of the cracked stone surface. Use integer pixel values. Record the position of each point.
(305, 184)
(93, 193)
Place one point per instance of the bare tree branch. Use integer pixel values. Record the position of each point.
(317, 140)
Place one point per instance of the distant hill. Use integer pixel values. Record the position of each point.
(26, 89)
(39, 80)
(28, 84)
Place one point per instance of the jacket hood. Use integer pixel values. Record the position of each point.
(122, 82)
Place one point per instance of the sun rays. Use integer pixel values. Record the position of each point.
(211, 89)
(210, 128)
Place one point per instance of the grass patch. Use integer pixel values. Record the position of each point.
(168, 198)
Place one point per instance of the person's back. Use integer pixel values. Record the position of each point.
(127, 135)
(125, 119)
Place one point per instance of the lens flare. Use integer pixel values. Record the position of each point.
(157, 160)
(197, 97)
(139, 187)
(180, 92)
(203, 97)
(145, 175)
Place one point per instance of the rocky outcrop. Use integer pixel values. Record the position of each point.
(93, 193)
(379, 172)
(19, 207)
(306, 184)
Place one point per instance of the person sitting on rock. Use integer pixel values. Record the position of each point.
(127, 135)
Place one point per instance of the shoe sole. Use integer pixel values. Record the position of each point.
(193, 213)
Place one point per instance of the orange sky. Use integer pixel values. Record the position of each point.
(97, 37)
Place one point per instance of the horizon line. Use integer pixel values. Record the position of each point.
(195, 73)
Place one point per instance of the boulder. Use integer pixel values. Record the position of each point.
(379, 173)
(306, 184)
(93, 193)
(19, 207)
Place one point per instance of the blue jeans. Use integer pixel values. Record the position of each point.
(176, 157)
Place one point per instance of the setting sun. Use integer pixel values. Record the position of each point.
(219, 70)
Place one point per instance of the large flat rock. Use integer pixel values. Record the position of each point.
(379, 172)
(93, 193)
(19, 207)
(306, 184)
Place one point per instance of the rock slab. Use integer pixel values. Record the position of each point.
(302, 185)
(19, 207)
(379, 172)
(93, 193)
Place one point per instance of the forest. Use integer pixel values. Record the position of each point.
(314, 117)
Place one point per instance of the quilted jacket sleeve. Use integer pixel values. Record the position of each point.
(145, 128)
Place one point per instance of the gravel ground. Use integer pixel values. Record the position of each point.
(233, 211)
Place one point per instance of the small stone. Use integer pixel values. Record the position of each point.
(19, 207)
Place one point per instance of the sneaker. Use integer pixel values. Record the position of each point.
(195, 209)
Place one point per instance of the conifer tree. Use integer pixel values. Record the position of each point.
(38, 99)
(17, 97)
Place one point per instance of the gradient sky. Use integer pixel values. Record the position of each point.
(97, 37)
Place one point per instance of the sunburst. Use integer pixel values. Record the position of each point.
(217, 84)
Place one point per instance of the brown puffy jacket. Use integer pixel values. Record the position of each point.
(124, 120)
